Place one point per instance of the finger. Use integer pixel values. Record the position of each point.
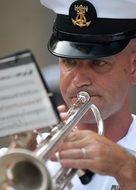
(72, 136)
(70, 154)
(75, 153)
(63, 112)
(83, 164)
(77, 135)
(62, 108)
(72, 145)
(76, 163)
(64, 116)
(76, 139)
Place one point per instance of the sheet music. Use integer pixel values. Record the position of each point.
(24, 102)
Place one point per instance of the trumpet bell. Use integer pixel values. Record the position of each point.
(20, 170)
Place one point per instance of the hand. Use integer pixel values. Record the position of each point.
(24, 140)
(101, 156)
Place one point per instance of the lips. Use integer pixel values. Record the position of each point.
(72, 95)
(93, 98)
(74, 99)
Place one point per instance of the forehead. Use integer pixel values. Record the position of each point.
(112, 57)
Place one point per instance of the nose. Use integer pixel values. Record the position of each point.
(83, 76)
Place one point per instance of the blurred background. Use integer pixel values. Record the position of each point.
(27, 24)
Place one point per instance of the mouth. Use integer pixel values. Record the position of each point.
(93, 98)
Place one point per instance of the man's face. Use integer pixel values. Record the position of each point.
(107, 80)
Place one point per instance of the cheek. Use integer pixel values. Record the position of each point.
(119, 87)
(115, 86)
(62, 84)
(65, 81)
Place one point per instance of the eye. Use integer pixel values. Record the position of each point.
(102, 65)
(68, 62)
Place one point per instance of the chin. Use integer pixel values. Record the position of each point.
(89, 119)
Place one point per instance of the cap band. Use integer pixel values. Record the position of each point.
(118, 29)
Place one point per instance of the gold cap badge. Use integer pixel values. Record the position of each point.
(80, 19)
(82, 12)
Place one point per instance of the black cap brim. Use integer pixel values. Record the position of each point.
(69, 49)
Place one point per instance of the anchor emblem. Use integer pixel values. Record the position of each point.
(80, 19)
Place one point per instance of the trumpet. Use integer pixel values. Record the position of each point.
(22, 169)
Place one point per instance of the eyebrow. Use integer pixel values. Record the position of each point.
(110, 58)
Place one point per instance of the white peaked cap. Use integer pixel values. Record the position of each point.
(104, 8)
(89, 29)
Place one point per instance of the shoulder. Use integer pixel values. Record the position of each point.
(134, 118)
(129, 140)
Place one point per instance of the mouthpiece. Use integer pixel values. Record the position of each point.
(83, 96)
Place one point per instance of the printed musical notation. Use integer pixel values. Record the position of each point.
(24, 102)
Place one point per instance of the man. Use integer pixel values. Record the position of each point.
(96, 45)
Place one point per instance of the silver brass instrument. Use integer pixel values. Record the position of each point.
(22, 169)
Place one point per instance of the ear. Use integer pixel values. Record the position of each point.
(133, 70)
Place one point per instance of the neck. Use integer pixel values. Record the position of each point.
(115, 127)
